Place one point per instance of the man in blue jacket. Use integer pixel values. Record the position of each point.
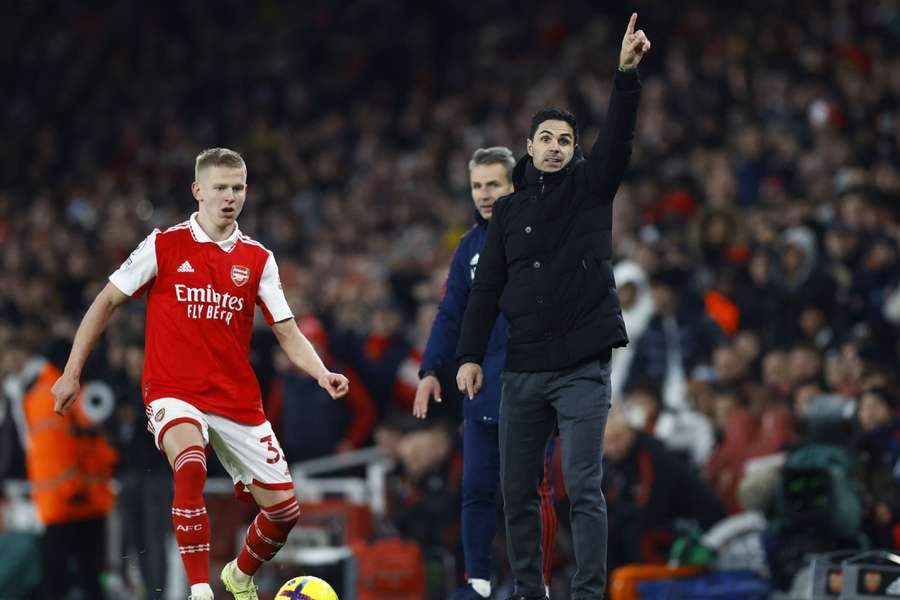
(490, 177)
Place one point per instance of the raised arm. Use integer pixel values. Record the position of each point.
(92, 326)
(612, 150)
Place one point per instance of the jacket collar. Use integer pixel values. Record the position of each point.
(479, 220)
(526, 175)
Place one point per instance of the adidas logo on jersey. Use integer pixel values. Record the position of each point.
(185, 268)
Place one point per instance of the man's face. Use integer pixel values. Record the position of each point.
(487, 183)
(553, 145)
(220, 194)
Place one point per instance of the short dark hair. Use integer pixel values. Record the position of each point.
(556, 114)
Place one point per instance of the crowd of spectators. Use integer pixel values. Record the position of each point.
(756, 234)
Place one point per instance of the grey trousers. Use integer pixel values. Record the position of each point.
(531, 406)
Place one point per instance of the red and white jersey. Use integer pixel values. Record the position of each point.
(201, 296)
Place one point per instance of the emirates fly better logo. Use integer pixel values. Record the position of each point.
(207, 303)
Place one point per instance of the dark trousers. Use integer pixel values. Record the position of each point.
(73, 556)
(481, 481)
(531, 404)
(145, 502)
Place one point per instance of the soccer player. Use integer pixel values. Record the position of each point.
(203, 279)
(490, 177)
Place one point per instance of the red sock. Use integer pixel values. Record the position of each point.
(267, 533)
(189, 516)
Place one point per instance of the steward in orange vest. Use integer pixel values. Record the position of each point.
(69, 461)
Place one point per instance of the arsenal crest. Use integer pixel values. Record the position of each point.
(160, 415)
(240, 275)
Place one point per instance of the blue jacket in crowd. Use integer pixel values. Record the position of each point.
(441, 347)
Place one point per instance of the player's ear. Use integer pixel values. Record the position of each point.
(195, 190)
(529, 147)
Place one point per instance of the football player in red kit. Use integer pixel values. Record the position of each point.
(203, 279)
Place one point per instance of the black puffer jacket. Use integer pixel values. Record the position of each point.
(546, 261)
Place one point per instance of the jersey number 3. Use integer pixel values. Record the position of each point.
(271, 448)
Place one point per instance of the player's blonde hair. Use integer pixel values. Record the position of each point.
(218, 157)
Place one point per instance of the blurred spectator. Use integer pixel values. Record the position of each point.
(423, 493)
(678, 338)
(685, 432)
(70, 467)
(879, 445)
(378, 355)
(145, 482)
(745, 435)
(312, 423)
(637, 309)
(648, 490)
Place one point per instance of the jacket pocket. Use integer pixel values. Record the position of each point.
(516, 247)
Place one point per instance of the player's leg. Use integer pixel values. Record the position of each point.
(547, 492)
(261, 469)
(181, 433)
(278, 513)
(481, 480)
(526, 426)
(581, 397)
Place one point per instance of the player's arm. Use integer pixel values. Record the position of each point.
(129, 280)
(303, 355)
(612, 150)
(92, 326)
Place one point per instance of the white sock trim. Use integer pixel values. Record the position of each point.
(240, 576)
(482, 587)
(201, 591)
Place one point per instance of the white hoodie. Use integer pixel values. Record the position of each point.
(636, 319)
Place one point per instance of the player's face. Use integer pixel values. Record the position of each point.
(487, 183)
(553, 145)
(220, 194)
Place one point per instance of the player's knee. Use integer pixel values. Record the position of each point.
(189, 469)
(479, 489)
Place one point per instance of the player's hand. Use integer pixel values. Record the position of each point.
(428, 387)
(64, 391)
(334, 383)
(469, 379)
(634, 45)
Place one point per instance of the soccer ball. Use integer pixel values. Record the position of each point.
(306, 587)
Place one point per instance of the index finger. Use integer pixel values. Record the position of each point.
(630, 29)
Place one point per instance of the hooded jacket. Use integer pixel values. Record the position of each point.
(636, 319)
(546, 259)
(438, 354)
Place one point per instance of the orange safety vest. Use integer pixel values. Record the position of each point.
(70, 465)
